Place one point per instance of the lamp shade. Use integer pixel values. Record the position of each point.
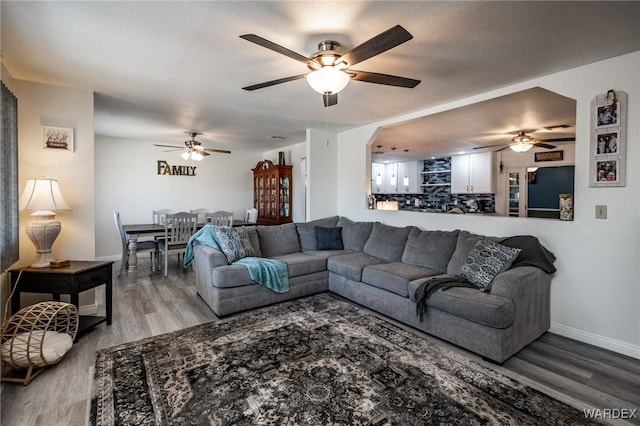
(328, 80)
(43, 195)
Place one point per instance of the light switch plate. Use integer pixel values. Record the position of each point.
(601, 212)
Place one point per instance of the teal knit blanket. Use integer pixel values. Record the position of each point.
(269, 273)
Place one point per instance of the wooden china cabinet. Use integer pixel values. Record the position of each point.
(272, 186)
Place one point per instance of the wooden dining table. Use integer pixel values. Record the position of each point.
(135, 231)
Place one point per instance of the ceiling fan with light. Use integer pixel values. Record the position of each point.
(330, 71)
(523, 142)
(193, 149)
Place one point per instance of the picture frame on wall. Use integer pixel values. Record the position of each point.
(607, 115)
(58, 138)
(608, 140)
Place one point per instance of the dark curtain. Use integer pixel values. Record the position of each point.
(8, 179)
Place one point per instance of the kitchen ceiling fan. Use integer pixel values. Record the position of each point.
(193, 149)
(330, 71)
(523, 142)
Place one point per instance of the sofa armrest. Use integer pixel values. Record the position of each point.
(529, 289)
(208, 256)
(515, 283)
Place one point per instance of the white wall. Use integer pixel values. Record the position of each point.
(41, 104)
(127, 181)
(322, 155)
(595, 293)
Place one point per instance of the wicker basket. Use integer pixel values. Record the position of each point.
(35, 337)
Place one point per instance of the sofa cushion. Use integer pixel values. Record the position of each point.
(486, 260)
(354, 234)
(474, 305)
(252, 233)
(307, 231)
(387, 242)
(302, 264)
(395, 276)
(430, 249)
(278, 240)
(329, 238)
(464, 245)
(351, 265)
(325, 254)
(233, 242)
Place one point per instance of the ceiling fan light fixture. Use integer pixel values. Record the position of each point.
(185, 155)
(521, 146)
(522, 142)
(195, 155)
(328, 80)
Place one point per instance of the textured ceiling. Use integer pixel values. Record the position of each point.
(161, 68)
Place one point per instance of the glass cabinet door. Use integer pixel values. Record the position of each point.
(514, 194)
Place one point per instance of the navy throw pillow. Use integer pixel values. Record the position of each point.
(329, 238)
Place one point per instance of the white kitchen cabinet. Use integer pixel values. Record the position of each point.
(378, 174)
(408, 177)
(391, 178)
(472, 173)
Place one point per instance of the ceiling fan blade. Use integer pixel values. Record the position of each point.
(502, 149)
(223, 151)
(275, 47)
(389, 80)
(544, 145)
(274, 82)
(168, 146)
(374, 46)
(558, 140)
(172, 150)
(490, 146)
(330, 99)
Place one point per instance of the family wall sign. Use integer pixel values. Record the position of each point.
(165, 168)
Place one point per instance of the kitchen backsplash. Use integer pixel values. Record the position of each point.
(441, 199)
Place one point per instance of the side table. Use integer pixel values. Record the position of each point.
(72, 280)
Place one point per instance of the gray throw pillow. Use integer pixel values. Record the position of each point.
(486, 260)
(354, 234)
(307, 231)
(278, 240)
(234, 242)
(387, 242)
(329, 238)
(252, 233)
(430, 249)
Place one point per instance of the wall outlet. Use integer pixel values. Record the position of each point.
(601, 212)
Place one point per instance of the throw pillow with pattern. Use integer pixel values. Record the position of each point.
(485, 261)
(234, 242)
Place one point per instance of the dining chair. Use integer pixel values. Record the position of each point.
(251, 216)
(219, 218)
(145, 245)
(178, 228)
(159, 215)
(201, 214)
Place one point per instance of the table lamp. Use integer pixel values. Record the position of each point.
(42, 197)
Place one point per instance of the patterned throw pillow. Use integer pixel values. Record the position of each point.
(234, 242)
(485, 261)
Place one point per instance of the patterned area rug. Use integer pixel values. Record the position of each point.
(314, 361)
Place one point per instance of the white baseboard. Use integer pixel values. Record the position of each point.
(596, 340)
(91, 309)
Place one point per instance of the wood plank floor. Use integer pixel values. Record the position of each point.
(574, 372)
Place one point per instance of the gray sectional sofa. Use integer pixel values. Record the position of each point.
(381, 267)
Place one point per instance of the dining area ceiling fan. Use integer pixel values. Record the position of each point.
(192, 148)
(330, 72)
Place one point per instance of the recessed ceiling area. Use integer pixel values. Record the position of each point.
(496, 121)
